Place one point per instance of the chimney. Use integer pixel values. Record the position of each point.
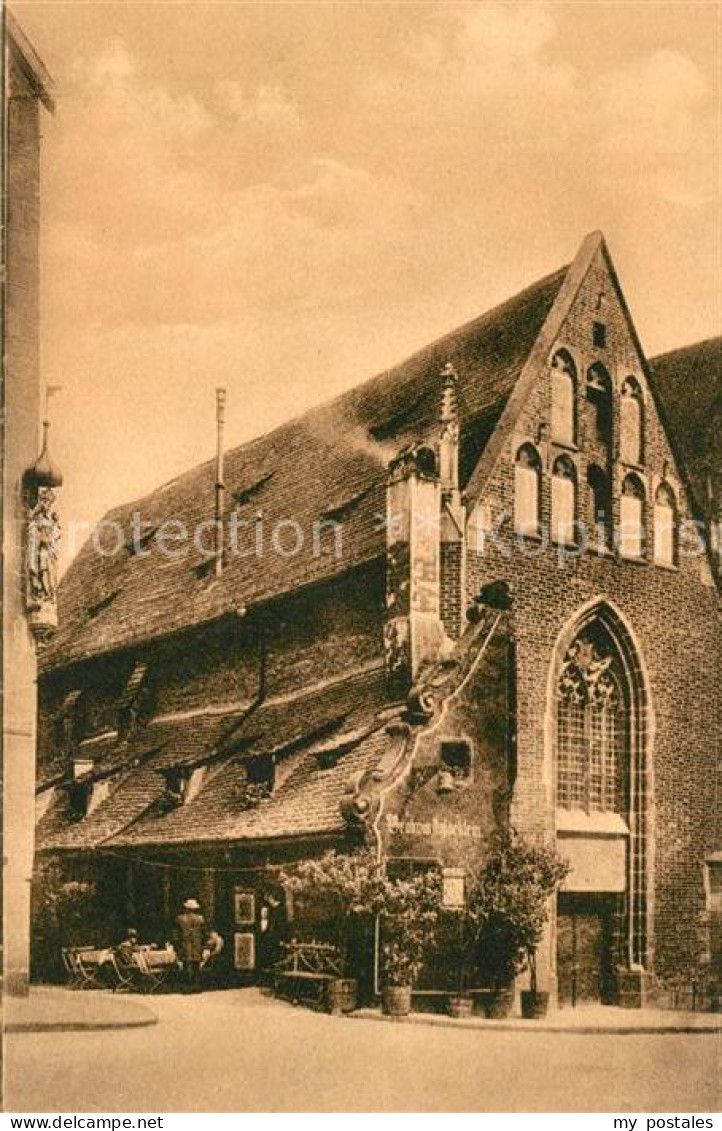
(220, 482)
(452, 519)
(413, 631)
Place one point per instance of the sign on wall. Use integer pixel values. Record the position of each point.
(244, 907)
(453, 888)
(244, 951)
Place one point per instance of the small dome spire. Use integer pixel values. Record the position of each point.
(44, 473)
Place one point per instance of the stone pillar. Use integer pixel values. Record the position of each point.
(27, 86)
(413, 633)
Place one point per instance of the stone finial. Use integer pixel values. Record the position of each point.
(449, 395)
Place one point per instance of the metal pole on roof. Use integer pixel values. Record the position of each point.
(220, 482)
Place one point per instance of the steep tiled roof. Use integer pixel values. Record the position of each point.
(689, 382)
(306, 803)
(328, 464)
(290, 725)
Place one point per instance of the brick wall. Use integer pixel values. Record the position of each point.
(452, 595)
(673, 615)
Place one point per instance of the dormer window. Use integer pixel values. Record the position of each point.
(563, 381)
(70, 721)
(80, 789)
(176, 785)
(631, 435)
(261, 771)
(79, 793)
(135, 700)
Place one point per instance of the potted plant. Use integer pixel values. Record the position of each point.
(336, 893)
(513, 897)
(409, 913)
(460, 947)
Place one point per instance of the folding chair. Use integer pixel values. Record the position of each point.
(152, 977)
(125, 975)
(70, 966)
(89, 975)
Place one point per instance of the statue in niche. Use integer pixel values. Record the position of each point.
(43, 537)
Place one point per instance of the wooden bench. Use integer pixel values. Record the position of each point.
(305, 969)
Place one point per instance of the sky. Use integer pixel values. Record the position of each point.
(287, 198)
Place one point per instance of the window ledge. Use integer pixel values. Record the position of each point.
(639, 467)
(566, 445)
(669, 566)
(633, 560)
(599, 550)
(528, 536)
(590, 824)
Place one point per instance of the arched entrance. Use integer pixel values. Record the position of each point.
(600, 737)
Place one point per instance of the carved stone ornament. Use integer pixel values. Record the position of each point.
(42, 541)
(586, 675)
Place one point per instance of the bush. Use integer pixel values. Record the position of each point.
(348, 889)
(509, 905)
(409, 911)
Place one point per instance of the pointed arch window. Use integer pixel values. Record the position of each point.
(563, 382)
(631, 437)
(564, 499)
(599, 705)
(592, 726)
(527, 491)
(665, 526)
(632, 518)
(601, 502)
(599, 399)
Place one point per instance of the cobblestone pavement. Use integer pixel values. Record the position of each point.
(238, 1051)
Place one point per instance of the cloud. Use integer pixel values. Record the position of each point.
(287, 222)
(269, 108)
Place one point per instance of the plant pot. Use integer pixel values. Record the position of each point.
(534, 1004)
(396, 1001)
(499, 1003)
(341, 995)
(460, 1005)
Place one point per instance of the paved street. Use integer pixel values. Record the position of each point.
(238, 1051)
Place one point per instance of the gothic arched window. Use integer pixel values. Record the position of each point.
(564, 498)
(631, 518)
(665, 526)
(599, 399)
(564, 380)
(527, 490)
(631, 423)
(592, 726)
(601, 503)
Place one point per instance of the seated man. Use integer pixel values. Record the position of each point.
(128, 947)
(212, 948)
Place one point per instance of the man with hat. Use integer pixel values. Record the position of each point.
(190, 933)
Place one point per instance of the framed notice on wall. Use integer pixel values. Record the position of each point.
(244, 907)
(244, 951)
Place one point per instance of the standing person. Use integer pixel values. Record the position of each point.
(190, 932)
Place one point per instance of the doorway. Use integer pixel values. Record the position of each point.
(584, 950)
